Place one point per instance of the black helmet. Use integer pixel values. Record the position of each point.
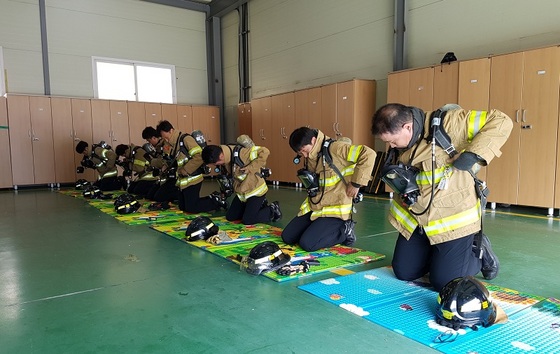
(465, 302)
(92, 192)
(126, 204)
(264, 257)
(81, 184)
(201, 228)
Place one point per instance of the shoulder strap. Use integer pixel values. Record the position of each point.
(442, 139)
(325, 150)
(235, 159)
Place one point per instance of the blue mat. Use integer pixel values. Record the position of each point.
(408, 308)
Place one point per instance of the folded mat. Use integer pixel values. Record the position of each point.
(245, 237)
(409, 308)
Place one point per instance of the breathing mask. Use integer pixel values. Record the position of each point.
(310, 181)
(226, 185)
(402, 179)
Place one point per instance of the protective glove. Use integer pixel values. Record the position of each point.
(467, 160)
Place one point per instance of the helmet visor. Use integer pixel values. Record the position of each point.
(260, 265)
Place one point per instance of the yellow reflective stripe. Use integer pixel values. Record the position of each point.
(260, 190)
(186, 180)
(140, 162)
(242, 177)
(354, 153)
(195, 150)
(148, 177)
(182, 161)
(333, 211)
(477, 120)
(403, 216)
(305, 206)
(254, 152)
(453, 222)
(329, 182)
(108, 174)
(425, 177)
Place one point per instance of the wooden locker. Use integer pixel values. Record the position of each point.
(63, 135)
(42, 139)
(83, 130)
(262, 121)
(21, 149)
(283, 123)
(136, 121)
(168, 113)
(184, 119)
(244, 119)
(6, 180)
(119, 123)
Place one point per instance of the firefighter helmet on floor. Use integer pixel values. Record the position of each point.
(92, 192)
(82, 184)
(264, 257)
(465, 302)
(201, 228)
(126, 204)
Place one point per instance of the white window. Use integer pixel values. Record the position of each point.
(133, 81)
(2, 77)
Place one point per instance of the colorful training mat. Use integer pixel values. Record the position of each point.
(245, 237)
(409, 308)
(140, 217)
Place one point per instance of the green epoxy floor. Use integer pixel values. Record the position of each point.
(75, 280)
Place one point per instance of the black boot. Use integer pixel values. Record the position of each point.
(276, 212)
(490, 262)
(348, 230)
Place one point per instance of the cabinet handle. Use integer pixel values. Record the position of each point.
(523, 118)
(529, 126)
(516, 116)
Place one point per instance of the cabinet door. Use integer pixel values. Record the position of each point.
(474, 84)
(42, 138)
(344, 110)
(168, 113)
(207, 119)
(119, 123)
(101, 122)
(6, 180)
(136, 121)
(262, 123)
(283, 124)
(398, 88)
(21, 150)
(421, 83)
(83, 130)
(308, 108)
(63, 134)
(446, 80)
(153, 114)
(539, 127)
(506, 78)
(244, 119)
(328, 109)
(184, 119)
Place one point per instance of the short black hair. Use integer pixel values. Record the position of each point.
(390, 118)
(81, 147)
(121, 149)
(211, 153)
(164, 126)
(301, 137)
(149, 132)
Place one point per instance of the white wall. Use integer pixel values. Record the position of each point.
(80, 29)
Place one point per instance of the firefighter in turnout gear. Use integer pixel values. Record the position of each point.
(102, 159)
(186, 163)
(135, 161)
(333, 173)
(247, 166)
(440, 226)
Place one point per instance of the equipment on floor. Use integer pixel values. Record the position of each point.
(464, 302)
(264, 257)
(92, 192)
(126, 204)
(201, 228)
(82, 183)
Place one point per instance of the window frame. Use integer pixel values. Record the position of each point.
(135, 64)
(3, 91)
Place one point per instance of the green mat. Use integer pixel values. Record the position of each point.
(244, 238)
(173, 222)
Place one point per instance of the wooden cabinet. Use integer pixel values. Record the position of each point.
(308, 108)
(355, 106)
(244, 119)
(63, 135)
(474, 84)
(525, 86)
(184, 119)
(6, 180)
(446, 83)
(31, 140)
(168, 113)
(262, 121)
(110, 122)
(83, 130)
(207, 119)
(137, 115)
(283, 124)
